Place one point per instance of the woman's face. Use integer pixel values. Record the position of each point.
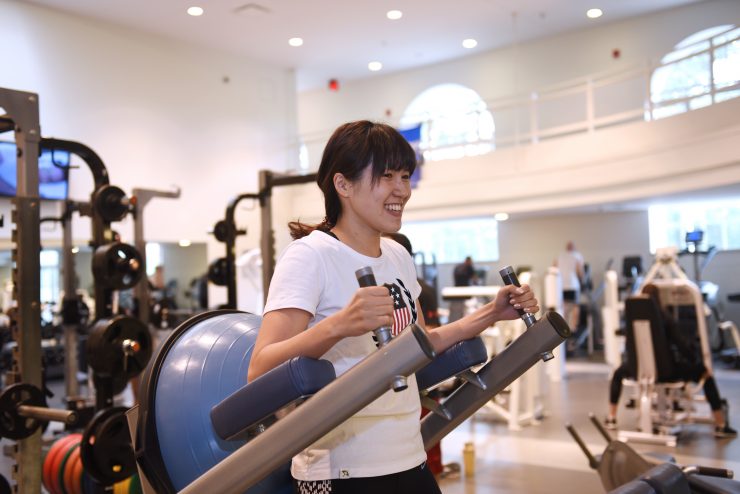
(380, 206)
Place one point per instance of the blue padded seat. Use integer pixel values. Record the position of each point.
(458, 358)
(257, 401)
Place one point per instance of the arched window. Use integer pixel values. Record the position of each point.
(701, 70)
(455, 122)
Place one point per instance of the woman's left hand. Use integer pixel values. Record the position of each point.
(510, 299)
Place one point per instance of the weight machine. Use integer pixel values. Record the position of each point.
(118, 346)
(222, 271)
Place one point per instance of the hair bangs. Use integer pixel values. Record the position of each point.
(388, 150)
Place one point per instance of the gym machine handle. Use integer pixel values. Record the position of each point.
(383, 335)
(510, 278)
(365, 277)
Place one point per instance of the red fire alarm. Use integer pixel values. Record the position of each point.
(333, 85)
(616, 53)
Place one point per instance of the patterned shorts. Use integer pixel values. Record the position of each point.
(418, 480)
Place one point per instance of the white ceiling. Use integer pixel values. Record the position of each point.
(342, 36)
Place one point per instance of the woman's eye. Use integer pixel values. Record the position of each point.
(406, 176)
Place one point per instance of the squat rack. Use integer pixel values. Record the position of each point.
(22, 117)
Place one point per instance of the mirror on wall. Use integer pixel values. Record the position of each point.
(181, 269)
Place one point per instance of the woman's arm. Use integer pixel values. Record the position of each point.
(283, 334)
(504, 307)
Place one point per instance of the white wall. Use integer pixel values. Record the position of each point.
(612, 164)
(638, 160)
(158, 112)
(514, 70)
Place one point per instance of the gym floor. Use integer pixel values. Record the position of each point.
(543, 458)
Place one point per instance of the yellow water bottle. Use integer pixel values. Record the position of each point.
(469, 459)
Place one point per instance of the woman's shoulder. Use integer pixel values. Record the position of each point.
(316, 242)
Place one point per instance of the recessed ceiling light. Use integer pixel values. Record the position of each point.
(469, 43)
(195, 11)
(184, 243)
(501, 216)
(375, 66)
(394, 15)
(295, 41)
(594, 13)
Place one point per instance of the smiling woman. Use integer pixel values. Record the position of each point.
(315, 309)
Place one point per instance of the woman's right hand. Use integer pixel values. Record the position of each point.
(370, 308)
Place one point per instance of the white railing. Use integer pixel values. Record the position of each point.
(582, 105)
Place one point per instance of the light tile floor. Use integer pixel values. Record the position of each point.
(544, 458)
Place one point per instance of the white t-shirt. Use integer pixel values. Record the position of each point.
(567, 264)
(317, 274)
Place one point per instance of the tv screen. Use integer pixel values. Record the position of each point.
(52, 179)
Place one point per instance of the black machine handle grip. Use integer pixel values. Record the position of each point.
(365, 277)
(509, 276)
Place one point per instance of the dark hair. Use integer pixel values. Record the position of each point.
(401, 239)
(653, 292)
(351, 148)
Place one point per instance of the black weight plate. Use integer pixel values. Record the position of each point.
(117, 265)
(106, 451)
(221, 231)
(118, 382)
(106, 344)
(217, 272)
(109, 202)
(12, 425)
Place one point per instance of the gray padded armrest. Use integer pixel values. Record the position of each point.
(256, 401)
(634, 487)
(458, 358)
(667, 478)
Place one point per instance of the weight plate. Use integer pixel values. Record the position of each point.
(118, 382)
(217, 272)
(110, 203)
(72, 473)
(221, 231)
(56, 466)
(106, 451)
(62, 473)
(135, 486)
(117, 265)
(92, 486)
(47, 472)
(119, 346)
(12, 425)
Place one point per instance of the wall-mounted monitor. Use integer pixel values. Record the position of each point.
(53, 172)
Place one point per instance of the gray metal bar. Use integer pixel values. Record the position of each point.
(23, 109)
(328, 408)
(268, 180)
(141, 290)
(48, 414)
(497, 374)
(69, 280)
(267, 236)
(231, 233)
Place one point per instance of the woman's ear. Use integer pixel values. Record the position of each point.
(342, 185)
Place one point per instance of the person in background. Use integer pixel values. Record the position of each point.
(688, 366)
(571, 267)
(464, 273)
(315, 309)
(428, 297)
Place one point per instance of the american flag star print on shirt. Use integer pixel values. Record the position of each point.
(402, 316)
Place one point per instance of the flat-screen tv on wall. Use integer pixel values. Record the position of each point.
(53, 172)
